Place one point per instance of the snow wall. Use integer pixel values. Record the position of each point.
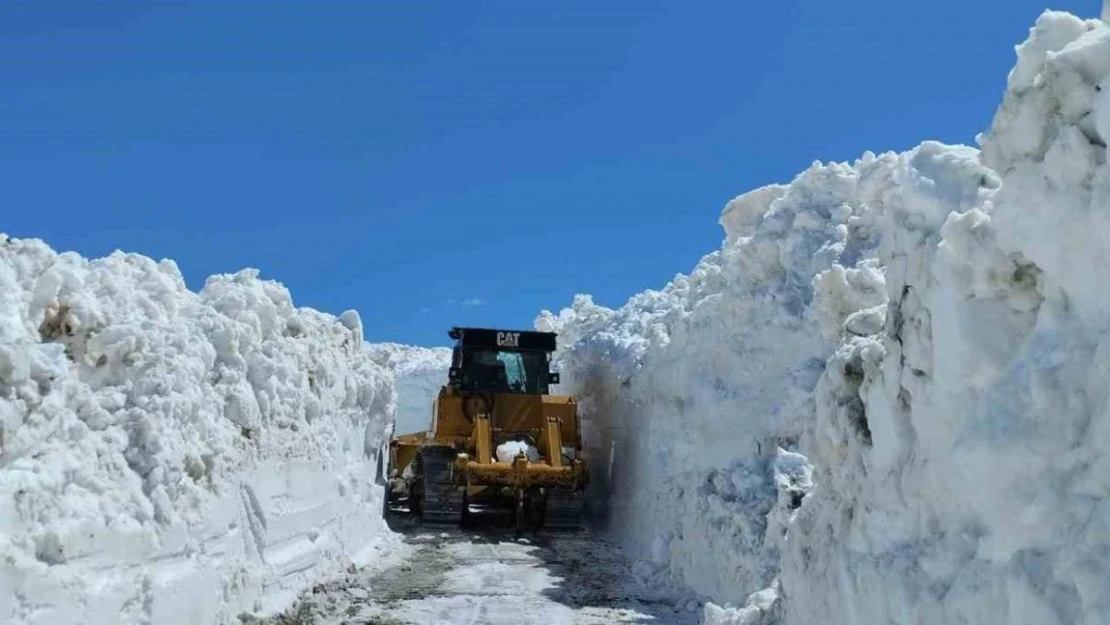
(884, 399)
(418, 372)
(174, 457)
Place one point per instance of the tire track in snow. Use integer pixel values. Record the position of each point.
(255, 521)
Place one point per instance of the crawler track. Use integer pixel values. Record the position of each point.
(440, 501)
(563, 510)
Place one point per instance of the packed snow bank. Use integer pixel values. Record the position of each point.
(695, 396)
(175, 457)
(930, 329)
(419, 372)
(982, 494)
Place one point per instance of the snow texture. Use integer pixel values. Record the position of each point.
(176, 457)
(419, 373)
(509, 450)
(885, 398)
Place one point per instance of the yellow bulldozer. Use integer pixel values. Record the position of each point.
(498, 440)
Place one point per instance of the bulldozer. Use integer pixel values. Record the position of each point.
(498, 440)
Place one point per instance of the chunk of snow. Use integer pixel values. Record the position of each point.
(760, 608)
(509, 450)
(353, 322)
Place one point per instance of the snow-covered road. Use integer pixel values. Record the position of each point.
(487, 577)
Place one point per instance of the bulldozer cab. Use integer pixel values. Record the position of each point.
(498, 361)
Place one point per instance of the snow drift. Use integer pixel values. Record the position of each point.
(175, 457)
(884, 399)
(418, 372)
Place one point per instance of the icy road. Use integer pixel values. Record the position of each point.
(487, 577)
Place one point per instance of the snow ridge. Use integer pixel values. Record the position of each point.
(170, 456)
(930, 330)
(418, 372)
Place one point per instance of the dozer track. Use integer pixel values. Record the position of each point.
(563, 509)
(441, 502)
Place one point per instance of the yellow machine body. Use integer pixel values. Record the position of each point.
(454, 462)
(552, 420)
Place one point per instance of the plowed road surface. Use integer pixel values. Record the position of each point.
(488, 578)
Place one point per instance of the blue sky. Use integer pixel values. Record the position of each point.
(441, 163)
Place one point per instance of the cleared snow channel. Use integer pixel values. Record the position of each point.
(883, 399)
(453, 577)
